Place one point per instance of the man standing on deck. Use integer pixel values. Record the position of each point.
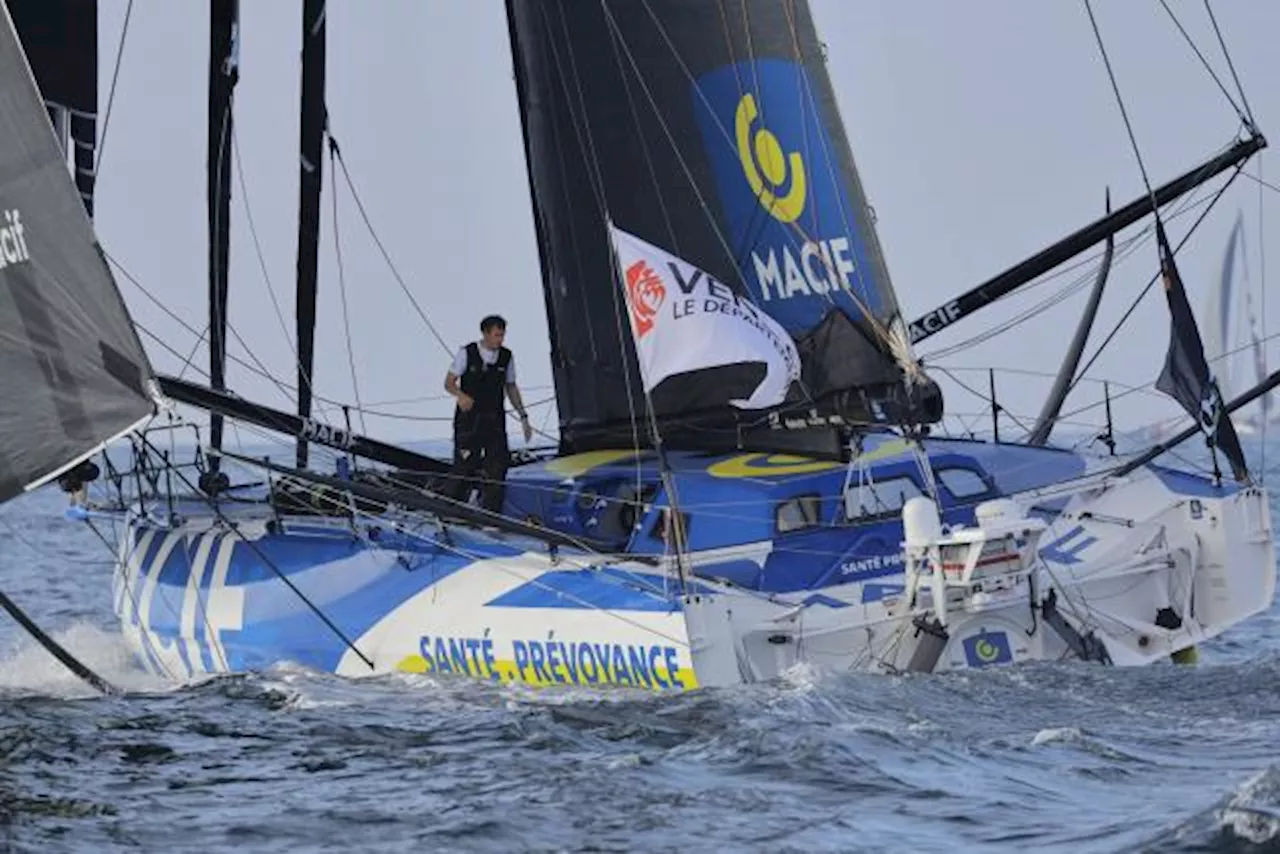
(481, 373)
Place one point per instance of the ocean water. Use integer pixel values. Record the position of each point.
(1068, 757)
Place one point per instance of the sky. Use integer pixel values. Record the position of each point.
(982, 132)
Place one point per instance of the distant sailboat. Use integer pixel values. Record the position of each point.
(1232, 344)
(748, 477)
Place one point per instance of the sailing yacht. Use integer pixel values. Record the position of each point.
(1233, 345)
(750, 474)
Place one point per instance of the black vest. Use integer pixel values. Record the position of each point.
(486, 384)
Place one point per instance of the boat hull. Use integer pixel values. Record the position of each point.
(1128, 571)
(198, 600)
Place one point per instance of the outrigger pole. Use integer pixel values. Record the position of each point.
(224, 403)
(1073, 244)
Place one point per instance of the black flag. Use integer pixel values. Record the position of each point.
(1186, 376)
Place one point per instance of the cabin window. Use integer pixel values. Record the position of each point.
(803, 511)
(963, 483)
(883, 498)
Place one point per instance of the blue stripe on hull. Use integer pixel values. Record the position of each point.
(354, 583)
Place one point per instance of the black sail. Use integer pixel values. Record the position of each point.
(60, 38)
(224, 72)
(711, 130)
(74, 373)
(313, 126)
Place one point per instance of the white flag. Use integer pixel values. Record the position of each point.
(683, 321)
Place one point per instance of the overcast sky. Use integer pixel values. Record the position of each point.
(982, 131)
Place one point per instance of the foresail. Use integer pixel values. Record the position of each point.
(73, 373)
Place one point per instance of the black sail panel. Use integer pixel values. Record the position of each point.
(311, 147)
(60, 38)
(224, 72)
(711, 130)
(72, 369)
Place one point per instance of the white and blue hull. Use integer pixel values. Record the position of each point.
(1126, 559)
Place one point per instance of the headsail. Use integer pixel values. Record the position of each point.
(60, 39)
(711, 130)
(73, 370)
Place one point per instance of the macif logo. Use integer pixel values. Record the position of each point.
(987, 648)
(645, 293)
(765, 167)
(13, 240)
(784, 193)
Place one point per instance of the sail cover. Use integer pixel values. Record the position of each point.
(72, 370)
(60, 38)
(699, 343)
(709, 129)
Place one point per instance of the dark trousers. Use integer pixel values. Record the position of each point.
(479, 445)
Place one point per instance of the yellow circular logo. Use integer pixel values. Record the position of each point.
(986, 650)
(766, 167)
(767, 465)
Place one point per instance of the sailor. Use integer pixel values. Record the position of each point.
(481, 373)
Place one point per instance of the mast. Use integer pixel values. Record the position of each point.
(224, 72)
(314, 125)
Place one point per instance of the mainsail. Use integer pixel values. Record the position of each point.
(727, 149)
(75, 374)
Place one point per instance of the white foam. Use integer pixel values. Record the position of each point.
(27, 667)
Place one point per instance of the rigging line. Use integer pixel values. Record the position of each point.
(804, 95)
(561, 141)
(111, 95)
(386, 256)
(583, 128)
(1115, 87)
(1244, 99)
(1248, 120)
(1262, 275)
(877, 326)
(257, 245)
(644, 149)
(1155, 277)
(342, 292)
(1257, 179)
(1146, 388)
(758, 218)
(195, 348)
(260, 369)
(983, 397)
(666, 129)
(270, 564)
(1127, 248)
